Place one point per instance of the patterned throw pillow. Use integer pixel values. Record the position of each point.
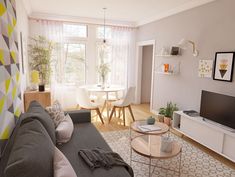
(64, 130)
(56, 113)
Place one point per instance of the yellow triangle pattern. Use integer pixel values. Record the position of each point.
(2, 9)
(14, 92)
(10, 29)
(13, 55)
(6, 133)
(17, 112)
(2, 57)
(2, 101)
(14, 22)
(7, 84)
(17, 77)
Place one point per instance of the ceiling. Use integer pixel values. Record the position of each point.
(136, 12)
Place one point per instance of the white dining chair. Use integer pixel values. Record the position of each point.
(84, 102)
(124, 103)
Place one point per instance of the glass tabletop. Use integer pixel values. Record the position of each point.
(150, 146)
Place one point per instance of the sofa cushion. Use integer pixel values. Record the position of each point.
(32, 152)
(56, 113)
(86, 136)
(62, 167)
(64, 130)
(36, 111)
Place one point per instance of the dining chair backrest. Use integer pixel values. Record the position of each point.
(129, 98)
(83, 98)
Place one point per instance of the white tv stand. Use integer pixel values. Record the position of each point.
(212, 135)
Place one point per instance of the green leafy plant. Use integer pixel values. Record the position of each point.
(104, 67)
(40, 50)
(168, 110)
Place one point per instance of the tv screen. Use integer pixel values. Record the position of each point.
(218, 108)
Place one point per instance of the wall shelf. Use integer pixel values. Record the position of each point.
(167, 55)
(167, 73)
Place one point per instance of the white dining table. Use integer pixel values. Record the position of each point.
(106, 90)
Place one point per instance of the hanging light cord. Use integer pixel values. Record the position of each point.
(104, 24)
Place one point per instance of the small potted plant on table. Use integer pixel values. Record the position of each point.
(168, 112)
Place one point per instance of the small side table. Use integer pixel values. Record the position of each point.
(44, 98)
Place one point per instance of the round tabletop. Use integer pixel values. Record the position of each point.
(97, 88)
(150, 146)
(164, 128)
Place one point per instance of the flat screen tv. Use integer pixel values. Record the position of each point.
(218, 108)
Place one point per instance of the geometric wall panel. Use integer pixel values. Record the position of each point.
(10, 100)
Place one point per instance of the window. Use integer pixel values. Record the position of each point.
(71, 30)
(74, 63)
(100, 32)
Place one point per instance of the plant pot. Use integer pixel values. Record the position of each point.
(41, 88)
(160, 118)
(167, 121)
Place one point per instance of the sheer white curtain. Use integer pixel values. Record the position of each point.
(122, 45)
(53, 31)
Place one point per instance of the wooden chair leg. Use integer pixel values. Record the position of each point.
(132, 115)
(123, 111)
(103, 107)
(111, 115)
(99, 114)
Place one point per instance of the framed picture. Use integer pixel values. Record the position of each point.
(205, 68)
(223, 68)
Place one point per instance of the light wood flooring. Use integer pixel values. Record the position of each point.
(141, 112)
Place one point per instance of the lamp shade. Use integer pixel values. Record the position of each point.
(35, 77)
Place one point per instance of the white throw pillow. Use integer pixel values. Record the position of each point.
(62, 167)
(64, 130)
(56, 112)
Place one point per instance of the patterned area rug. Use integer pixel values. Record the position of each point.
(194, 163)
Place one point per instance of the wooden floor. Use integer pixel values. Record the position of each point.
(142, 112)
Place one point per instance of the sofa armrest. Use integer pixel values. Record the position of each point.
(80, 116)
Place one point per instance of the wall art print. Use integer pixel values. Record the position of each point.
(223, 68)
(205, 68)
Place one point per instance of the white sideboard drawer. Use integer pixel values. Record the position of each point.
(229, 147)
(206, 136)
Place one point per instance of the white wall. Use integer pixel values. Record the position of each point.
(212, 27)
(22, 26)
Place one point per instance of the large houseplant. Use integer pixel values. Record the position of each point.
(40, 50)
(168, 112)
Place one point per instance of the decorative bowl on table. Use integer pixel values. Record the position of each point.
(150, 120)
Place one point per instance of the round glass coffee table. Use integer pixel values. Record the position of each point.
(150, 146)
(163, 128)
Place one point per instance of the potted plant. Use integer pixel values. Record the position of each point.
(161, 114)
(40, 51)
(168, 112)
(103, 68)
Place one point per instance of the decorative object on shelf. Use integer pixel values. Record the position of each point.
(40, 51)
(168, 112)
(165, 51)
(150, 120)
(175, 50)
(166, 67)
(223, 67)
(166, 144)
(183, 44)
(34, 80)
(205, 68)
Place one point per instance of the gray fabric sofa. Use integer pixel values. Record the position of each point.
(28, 152)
